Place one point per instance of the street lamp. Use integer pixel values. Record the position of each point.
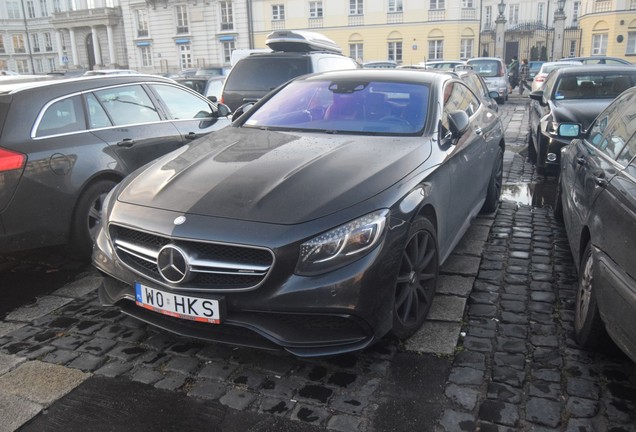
(561, 5)
(501, 7)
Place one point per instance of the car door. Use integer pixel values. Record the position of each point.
(470, 156)
(193, 115)
(126, 118)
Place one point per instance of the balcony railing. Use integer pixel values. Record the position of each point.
(602, 6)
(315, 22)
(394, 18)
(437, 15)
(356, 20)
(278, 24)
(469, 14)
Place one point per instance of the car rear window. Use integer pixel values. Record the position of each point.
(486, 68)
(362, 107)
(265, 73)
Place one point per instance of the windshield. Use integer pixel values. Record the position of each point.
(593, 86)
(346, 106)
(486, 68)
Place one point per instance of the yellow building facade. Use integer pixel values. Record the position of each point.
(406, 31)
(608, 27)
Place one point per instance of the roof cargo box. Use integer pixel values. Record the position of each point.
(300, 41)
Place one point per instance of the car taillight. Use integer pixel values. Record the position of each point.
(10, 160)
(539, 79)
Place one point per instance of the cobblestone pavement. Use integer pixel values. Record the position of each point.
(496, 354)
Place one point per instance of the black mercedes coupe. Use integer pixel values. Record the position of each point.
(316, 222)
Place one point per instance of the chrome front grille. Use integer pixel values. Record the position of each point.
(210, 266)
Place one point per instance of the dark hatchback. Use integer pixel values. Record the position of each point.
(316, 223)
(65, 143)
(574, 94)
(597, 201)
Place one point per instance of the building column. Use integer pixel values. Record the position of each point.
(559, 31)
(500, 33)
(60, 47)
(71, 33)
(111, 45)
(96, 50)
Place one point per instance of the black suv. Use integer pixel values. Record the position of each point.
(295, 53)
(65, 143)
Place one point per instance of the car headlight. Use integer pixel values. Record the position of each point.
(341, 245)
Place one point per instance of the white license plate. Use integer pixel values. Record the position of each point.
(177, 305)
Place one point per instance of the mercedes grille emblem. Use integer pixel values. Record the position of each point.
(172, 263)
(179, 220)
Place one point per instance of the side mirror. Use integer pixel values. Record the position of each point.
(536, 95)
(493, 94)
(458, 122)
(213, 99)
(223, 109)
(569, 130)
(241, 110)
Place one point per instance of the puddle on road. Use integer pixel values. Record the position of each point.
(535, 194)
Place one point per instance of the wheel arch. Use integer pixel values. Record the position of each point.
(583, 241)
(428, 211)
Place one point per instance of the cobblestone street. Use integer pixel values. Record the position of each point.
(496, 354)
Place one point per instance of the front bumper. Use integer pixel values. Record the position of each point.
(340, 311)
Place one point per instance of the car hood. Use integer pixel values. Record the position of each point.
(582, 111)
(274, 177)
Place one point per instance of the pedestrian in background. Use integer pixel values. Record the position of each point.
(513, 72)
(524, 72)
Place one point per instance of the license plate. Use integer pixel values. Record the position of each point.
(177, 305)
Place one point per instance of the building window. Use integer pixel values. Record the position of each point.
(141, 22)
(35, 42)
(18, 43)
(437, 4)
(599, 44)
(145, 54)
(540, 12)
(13, 9)
(572, 51)
(23, 66)
(356, 7)
(51, 62)
(227, 15)
(436, 49)
(30, 8)
(228, 47)
(466, 49)
(48, 43)
(2, 49)
(356, 51)
(631, 43)
(468, 4)
(395, 6)
(38, 65)
(576, 9)
(632, 4)
(56, 6)
(44, 8)
(395, 51)
(182, 19)
(278, 12)
(315, 9)
(513, 14)
(185, 56)
(488, 16)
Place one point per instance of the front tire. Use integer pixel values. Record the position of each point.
(589, 330)
(87, 218)
(494, 186)
(417, 279)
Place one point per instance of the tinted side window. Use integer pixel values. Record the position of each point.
(614, 127)
(97, 117)
(63, 116)
(182, 104)
(265, 73)
(127, 105)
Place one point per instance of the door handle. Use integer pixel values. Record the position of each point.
(478, 130)
(581, 161)
(128, 142)
(600, 181)
(191, 136)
